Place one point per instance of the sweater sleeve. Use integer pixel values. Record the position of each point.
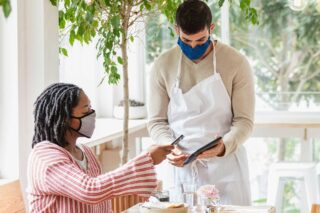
(243, 104)
(65, 179)
(158, 101)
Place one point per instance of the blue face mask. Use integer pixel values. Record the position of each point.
(196, 52)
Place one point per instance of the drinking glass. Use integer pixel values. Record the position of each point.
(188, 193)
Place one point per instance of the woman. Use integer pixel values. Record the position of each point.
(64, 176)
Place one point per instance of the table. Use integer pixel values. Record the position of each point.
(227, 209)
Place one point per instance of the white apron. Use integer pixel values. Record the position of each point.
(200, 115)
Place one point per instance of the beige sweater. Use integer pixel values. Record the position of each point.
(237, 77)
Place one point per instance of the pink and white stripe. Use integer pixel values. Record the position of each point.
(57, 184)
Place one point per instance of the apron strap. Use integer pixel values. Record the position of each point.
(195, 169)
(214, 58)
(178, 77)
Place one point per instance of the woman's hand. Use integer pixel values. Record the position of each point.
(217, 150)
(159, 153)
(176, 157)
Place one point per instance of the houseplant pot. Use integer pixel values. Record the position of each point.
(137, 110)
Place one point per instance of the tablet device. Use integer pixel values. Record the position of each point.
(194, 155)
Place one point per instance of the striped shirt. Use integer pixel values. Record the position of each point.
(56, 183)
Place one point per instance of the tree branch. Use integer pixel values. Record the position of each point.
(271, 69)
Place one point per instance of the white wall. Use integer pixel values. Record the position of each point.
(28, 63)
(37, 66)
(9, 96)
(82, 68)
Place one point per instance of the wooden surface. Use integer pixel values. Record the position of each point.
(11, 198)
(315, 208)
(122, 203)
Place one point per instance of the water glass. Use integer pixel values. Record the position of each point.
(188, 193)
(175, 194)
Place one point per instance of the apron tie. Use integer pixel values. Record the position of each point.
(195, 169)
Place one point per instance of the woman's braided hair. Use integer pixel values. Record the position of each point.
(52, 113)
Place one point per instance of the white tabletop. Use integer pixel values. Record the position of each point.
(227, 209)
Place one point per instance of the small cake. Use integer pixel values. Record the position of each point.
(163, 207)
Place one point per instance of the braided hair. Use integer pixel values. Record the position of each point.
(52, 112)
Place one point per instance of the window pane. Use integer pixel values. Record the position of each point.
(284, 53)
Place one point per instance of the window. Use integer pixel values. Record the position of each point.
(284, 53)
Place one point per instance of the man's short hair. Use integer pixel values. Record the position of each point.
(193, 16)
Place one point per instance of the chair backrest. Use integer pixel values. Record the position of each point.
(11, 199)
(122, 203)
(315, 208)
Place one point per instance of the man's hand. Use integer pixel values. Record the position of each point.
(176, 157)
(217, 150)
(159, 153)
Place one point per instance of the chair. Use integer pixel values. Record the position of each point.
(11, 199)
(315, 208)
(306, 172)
(121, 203)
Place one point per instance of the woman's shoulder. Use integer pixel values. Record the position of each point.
(48, 152)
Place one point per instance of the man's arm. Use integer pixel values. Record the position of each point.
(243, 104)
(158, 100)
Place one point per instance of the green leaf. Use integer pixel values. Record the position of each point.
(147, 5)
(131, 38)
(172, 33)
(6, 7)
(87, 37)
(95, 24)
(114, 69)
(72, 37)
(115, 21)
(93, 33)
(80, 30)
(114, 76)
(63, 51)
(67, 2)
(221, 3)
(54, 2)
(62, 22)
(120, 60)
(244, 4)
(254, 16)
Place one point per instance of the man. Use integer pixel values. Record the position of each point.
(203, 89)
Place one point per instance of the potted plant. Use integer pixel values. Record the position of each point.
(137, 110)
